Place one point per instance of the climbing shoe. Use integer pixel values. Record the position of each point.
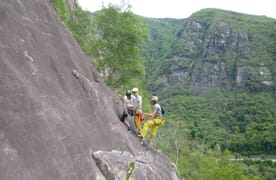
(140, 136)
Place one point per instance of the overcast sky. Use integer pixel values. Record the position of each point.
(184, 8)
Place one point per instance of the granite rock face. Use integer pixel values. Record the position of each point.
(51, 122)
(118, 164)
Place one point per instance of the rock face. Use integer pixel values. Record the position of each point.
(51, 122)
(117, 165)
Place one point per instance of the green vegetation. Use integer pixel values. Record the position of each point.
(234, 116)
(80, 24)
(222, 44)
(265, 169)
(131, 168)
(196, 125)
(111, 38)
(241, 123)
(82, 27)
(198, 80)
(193, 66)
(61, 8)
(120, 32)
(162, 33)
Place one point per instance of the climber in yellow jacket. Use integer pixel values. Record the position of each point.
(155, 121)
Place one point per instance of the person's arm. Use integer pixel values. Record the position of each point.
(130, 106)
(153, 114)
(139, 105)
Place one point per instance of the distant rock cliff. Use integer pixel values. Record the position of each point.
(52, 122)
(219, 50)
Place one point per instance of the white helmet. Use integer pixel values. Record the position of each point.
(135, 89)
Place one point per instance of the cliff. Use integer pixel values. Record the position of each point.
(54, 125)
(218, 50)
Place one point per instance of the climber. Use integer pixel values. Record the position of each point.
(155, 121)
(137, 110)
(128, 108)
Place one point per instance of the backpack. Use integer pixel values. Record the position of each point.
(162, 110)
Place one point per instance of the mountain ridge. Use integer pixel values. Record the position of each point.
(210, 40)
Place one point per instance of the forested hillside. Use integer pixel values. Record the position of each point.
(219, 73)
(162, 33)
(220, 50)
(217, 82)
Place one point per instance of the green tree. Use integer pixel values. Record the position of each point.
(120, 33)
(83, 28)
(61, 8)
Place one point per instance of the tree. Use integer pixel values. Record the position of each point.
(83, 29)
(61, 8)
(120, 34)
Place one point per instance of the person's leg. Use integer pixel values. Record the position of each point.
(153, 132)
(156, 123)
(145, 128)
(137, 122)
(123, 119)
(127, 125)
(132, 125)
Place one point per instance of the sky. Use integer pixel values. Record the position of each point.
(184, 8)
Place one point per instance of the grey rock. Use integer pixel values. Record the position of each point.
(51, 121)
(116, 165)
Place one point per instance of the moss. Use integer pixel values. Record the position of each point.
(131, 168)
